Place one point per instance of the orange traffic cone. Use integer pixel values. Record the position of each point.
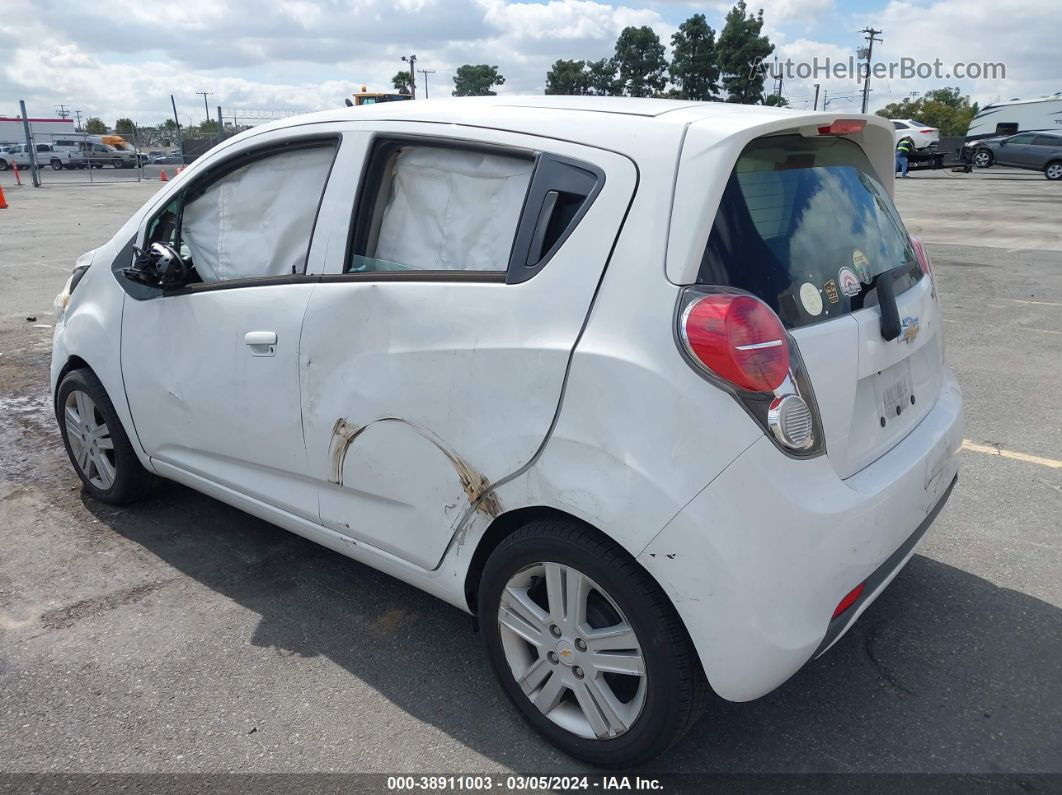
(163, 177)
(3, 201)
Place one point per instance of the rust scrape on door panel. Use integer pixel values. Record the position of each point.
(475, 484)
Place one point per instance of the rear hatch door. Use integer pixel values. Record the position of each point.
(805, 225)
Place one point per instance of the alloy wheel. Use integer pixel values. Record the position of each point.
(982, 159)
(1054, 171)
(572, 651)
(90, 439)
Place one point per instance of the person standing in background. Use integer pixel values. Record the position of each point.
(903, 154)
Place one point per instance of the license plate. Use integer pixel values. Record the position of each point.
(896, 391)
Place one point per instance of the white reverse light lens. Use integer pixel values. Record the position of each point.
(789, 419)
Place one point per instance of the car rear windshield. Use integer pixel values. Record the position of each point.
(804, 225)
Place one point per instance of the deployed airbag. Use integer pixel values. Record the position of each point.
(257, 221)
(452, 210)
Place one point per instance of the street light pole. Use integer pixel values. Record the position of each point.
(412, 61)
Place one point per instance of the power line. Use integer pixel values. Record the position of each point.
(62, 112)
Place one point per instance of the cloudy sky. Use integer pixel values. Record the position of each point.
(116, 59)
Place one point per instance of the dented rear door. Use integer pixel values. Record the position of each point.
(422, 388)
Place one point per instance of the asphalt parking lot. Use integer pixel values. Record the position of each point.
(182, 635)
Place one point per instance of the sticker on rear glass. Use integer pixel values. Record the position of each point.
(862, 266)
(810, 298)
(848, 282)
(830, 288)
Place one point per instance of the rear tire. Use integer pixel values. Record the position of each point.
(3, 165)
(1053, 170)
(96, 442)
(591, 709)
(983, 158)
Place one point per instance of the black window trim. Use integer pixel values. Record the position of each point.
(382, 143)
(212, 175)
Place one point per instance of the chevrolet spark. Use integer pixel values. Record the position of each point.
(655, 389)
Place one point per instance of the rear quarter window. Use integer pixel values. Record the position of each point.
(805, 226)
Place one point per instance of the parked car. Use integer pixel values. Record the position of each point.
(653, 388)
(19, 154)
(924, 137)
(167, 160)
(1039, 151)
(100, 155)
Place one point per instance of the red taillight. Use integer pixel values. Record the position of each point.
(844, 127)
(848, 601)
(927, 131)
(739, 339)
(922, 255)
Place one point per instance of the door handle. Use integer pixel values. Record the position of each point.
(261, 343)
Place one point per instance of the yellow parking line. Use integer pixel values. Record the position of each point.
(1029, 459)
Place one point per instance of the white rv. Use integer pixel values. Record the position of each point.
(1017, 115)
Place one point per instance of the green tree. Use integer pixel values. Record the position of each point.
(568, 77)
(402, 80)
(742, 49)
(124, 126)
(694, 62)
(601, 78)
(947, 109)
(169, 124)
(476, 80)
(640, 62)
(94, 125)
(776, 100)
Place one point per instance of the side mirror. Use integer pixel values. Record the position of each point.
(349, 103)
(160, 266)
(1002, 143)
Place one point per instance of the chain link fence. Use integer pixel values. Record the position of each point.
(137, 154)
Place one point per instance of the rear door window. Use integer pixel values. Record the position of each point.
(805, 226)
(440, 209)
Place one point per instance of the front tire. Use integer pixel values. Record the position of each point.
(3, 165)
(587, 646)
(983, 158)
(1053, 170)
(97, 444)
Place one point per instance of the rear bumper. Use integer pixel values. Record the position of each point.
(757, 562)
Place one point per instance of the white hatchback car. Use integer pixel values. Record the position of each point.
(654, 388)
(924, 137)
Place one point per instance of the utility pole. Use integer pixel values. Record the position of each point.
(78, 114)
(412, 61)
(426, 72)
(29, 144)
(221, 124)
(180, 138)
(206, 108)
(816, 105)
(62, 112)
(871, 34)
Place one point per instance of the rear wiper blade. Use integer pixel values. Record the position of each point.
(885, 283)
